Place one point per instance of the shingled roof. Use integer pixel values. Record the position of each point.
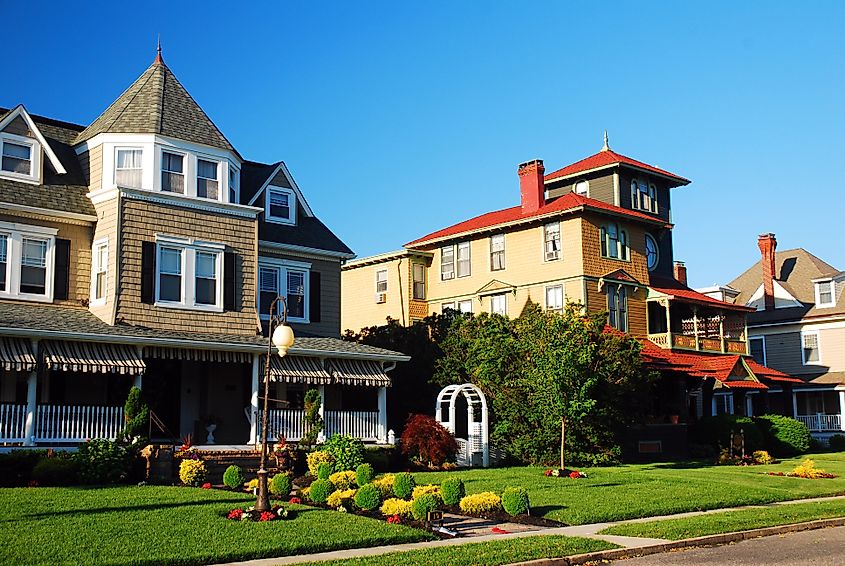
(157, 103)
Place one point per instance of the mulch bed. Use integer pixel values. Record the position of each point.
(503, 517)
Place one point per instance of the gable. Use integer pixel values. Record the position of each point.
(281, 177)
(783, 298)
(18, 118)
(18, 126)
(495, 286)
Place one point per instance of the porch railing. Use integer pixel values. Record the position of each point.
(69, 423)
(819, 423)
(291, 423)
(689, 342)
(12, 421)
(287, 422)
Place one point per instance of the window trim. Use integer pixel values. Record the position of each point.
(804, 360)
(282, 266)
(34, 175)
(118, 148)
(218, 168)
(96, 268)
(648, 237)
(492, 252)
(562, 297)
(189, 248)
(386, 276)
(578, 182)
(817, 286)
(763, 340)
(415, 281)
(468, 260)
(232, 172)
(186, 190)
(504, 297)
(617, 312)
(453, 271)
(641, 189)
(546, 240)
(291, 205)
(14, 253)
(623, 247)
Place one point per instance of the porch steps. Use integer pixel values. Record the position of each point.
(216, 462)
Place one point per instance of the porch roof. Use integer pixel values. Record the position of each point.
(16, 354)
(359, 372)
(299, 369)
(93, 357)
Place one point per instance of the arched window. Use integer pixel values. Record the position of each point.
(643, 196)
(652, 196)
(614, 242)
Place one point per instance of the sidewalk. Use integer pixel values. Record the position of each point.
(588, 531)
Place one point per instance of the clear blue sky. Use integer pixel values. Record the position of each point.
(397, 119)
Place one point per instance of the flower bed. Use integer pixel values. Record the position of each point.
(276, 513)
(807, 470)
(558, 473)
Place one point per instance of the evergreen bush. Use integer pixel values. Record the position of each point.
(102, 461)
(452, 490)
(403, 485)
(316, 458)
(320, 491)
(56, 471)
(784, 436)
(192, 472)
(716, 431)
(368, 497)
(347, 451)
(280, 485)
(363, 474)
(515, 501)
(423, 504)
(324, 470)
(234, 477)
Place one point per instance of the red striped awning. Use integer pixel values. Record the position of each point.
(359, 372)
(16, 354)
(195, 355)
(94, 357)
(299, 369)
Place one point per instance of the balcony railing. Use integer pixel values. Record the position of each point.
(688, 342)
(821, 423)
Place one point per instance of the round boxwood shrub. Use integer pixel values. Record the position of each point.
(363, 474)
(314, 459)
(452, 490)
(234, 477)
(56, 471)
(716, 431)
(837, 442)
(320, 491)
(368, 497)
(784, 436)
(403, 485)
(324, 470)
(423, 504)
(347, 451)
(515, 501)
(280, 485)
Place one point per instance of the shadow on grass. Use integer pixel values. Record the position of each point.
(688, 465)
(543, 510)
(125, 508)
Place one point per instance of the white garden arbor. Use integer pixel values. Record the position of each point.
(478, 442)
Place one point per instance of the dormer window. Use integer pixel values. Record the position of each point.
(172, 173)
(825, 294)
(281, 206)
(17, 158)
(207, 184)
(128, 170)
(582, 187)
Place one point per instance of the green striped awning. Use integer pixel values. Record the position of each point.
(299, 369)
(94, 357)
(16, 354)
(359, 372)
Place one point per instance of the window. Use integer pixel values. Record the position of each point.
(652, 253)
(99, 271)
(281, 206)
(4, 262)
(554, 298)
(190, 274)
(447, 263)
(418, 272)
(464, 263)
(172, 173)
(465, 306)
(499, 304)
(810, 347)
(614, 242)
(446, 306)
(34, 266)
(497, 252)
(128, 170)
(381, 281)
(551, 237)
(275, 276)
(170, 275)
(582, 187)
(723, 404)
(825, 294)
(617, 307)
(17, 158)
(757, 349)
(207, 183)
(643, 196)
(206, 278)
(26, 261)
(234, 177)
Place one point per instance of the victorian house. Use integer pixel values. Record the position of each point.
(596, 232)
(144, 249)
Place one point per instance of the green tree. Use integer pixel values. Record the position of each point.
(136, 413)
(313, 420)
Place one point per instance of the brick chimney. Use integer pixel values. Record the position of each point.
(531, 185)
(680, 272)
(767, 244)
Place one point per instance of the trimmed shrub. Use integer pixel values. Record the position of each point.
(837, 442)
(316, 458)
(56, 471)
(102, 461)
(403, 485)
(423, 489)
(324, 470)
(320, 491)
(452, 490)
(340, 498)
(348, 452)
(479, 503)
(368, 497)
(343, 480)
(234, 477)
(253, 484)
(16, 466)
(395, 506)
(784, 436)
(192, 472)
(385, 485)
(137, 416)
(423, 504)
(515, 501)
(363, 474)
(427, 441)
(280, 485)
(716, 431)
(763, 457)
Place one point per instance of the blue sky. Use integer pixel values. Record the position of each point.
(397, 118)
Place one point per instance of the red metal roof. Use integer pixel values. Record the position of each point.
(605, 158)
(567, 202)
(768, 373)
(676, 289)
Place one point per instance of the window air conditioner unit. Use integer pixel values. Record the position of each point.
(448, 274)
(381, 298)
(552, 255)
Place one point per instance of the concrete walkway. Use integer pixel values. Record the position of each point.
(477, 526)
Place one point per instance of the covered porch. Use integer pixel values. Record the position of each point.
(822, 409)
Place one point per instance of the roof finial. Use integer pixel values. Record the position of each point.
(606, 146)
(159, 60)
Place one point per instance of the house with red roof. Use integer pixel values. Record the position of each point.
(597, 232)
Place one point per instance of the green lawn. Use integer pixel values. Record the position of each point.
(492, 553)
(731, 521)
(167, 525)
(646, 490)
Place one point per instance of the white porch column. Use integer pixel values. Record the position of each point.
(321, 389)
(382, 415)
(31, 401)
(253, 401)
(842, 410)
(139, 379)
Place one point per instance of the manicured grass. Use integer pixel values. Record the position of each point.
(168, 525)
(646, 490)
(731, 521)
(491, 553)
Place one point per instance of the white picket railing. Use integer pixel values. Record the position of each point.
(360, 424)
(63, 423)
(287, 422)
(12, 422)
(818, 423)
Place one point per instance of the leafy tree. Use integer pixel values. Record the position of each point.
(313, 420)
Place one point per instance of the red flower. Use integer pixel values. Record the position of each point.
(547, 473)
(266, 516)
(206, 485)
(575, 475)
(296, 500)
(394, 519)
(235, 514)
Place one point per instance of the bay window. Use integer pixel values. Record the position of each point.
(643, 196)
(207, 183)
(234, 177)
(128, 168)
(287, 278)
(172, 173)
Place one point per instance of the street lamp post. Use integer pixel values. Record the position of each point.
(282, 338)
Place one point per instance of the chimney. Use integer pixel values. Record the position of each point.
(531, 185)
(680, 273)
(767, 244)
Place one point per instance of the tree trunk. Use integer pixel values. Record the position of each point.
(562, 442)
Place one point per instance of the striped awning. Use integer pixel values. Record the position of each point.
(16, 354)
(194, 355)
(94, 357)
(359, 372)
(299, 369)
